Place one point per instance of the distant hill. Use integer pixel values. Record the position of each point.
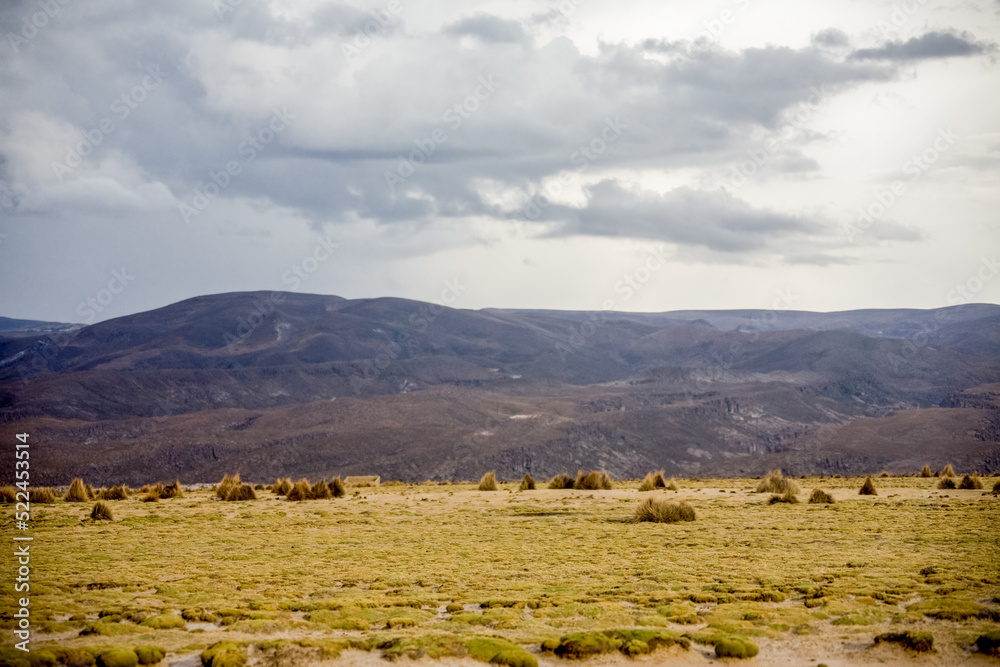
(272, 383)
(12, 326)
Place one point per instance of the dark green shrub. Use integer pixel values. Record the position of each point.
(101, 512)
(149, 655)
(921, 642)
(499, 651)
(224, 654)
(117, 657)
(662, 510)
(164, 622)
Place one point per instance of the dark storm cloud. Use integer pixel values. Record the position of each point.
(930, 45)
(488, 28)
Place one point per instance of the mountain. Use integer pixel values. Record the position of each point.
(273, 383)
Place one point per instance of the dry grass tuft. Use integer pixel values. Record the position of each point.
(172, 490)
(337, 488)
(884, 474)
(819, 496)
(868, 488)
(42, 495)
(926, 471)
(592, 481)
(946, 471)
(101, 512)
(488, 482)
(282, 486)
(227, 485)
(652, 481)
(320, 490)
(527, 484)
(114, 493)
(971, 482)
(946, 483)
(775, 482)
(561, 481)
(790, 498)
(241, 492)
(77, 492)
(302, 490)
(8, 494)
(662, 510)
(151, 497)
(996, 487)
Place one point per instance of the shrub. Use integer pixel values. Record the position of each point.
(580, 645)
(149, 655)
(946, 471)
(241, 492)
(592, 481)
(989, 643)
(117, 657)
(868, 488)
(672, 486)
(946, 483)
(337, 488)
(101, 512)
(996, 487)
(498, 651)
(223, 654)
(775, 482)
(488, 482)
(164, 622)
(114, 493)
(46, 494)
(77, 492)
(300, 491)
(652, 481)
(561, 481)
(227, 485)
(820, 496)
(151, 497)
(171, 490)
(786, 498)
(971, 482)
(884, 474)
(926, 471)
(282, 486)
(320, 490)
(527, 484)
(735, 647)
(661, 510)
(921, 642)
(8, 494)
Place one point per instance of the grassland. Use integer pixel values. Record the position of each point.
(520, 576)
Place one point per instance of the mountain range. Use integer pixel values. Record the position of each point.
(285, 384)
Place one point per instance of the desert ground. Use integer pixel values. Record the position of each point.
(450, 575)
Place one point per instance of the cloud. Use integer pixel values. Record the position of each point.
(931, 45)
(488, 28)
(714, 220)
(832, 38)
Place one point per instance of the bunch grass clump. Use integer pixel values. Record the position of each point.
(926, 471)
(337, 488)
(320, 490)
(171, 490)
(8, 494)
(653, 481)
(946, 483)
(946, 471)
(868, 488)
(819, 496)
(101, 512)
(42, 495)
(561, 481)
(282, 486)
(227, 485)
(790, 498)
(663, 510)
(920, 642)
(114, 493)
(592, 481)
(77, 492)
(241, 492)
(775, 482)
(488, 482)
(971, 482)
(300, 491)
(528, 483)
(996, 488)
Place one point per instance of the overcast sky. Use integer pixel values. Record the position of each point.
(571, 154)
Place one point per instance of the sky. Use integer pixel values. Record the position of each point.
(567, 154)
